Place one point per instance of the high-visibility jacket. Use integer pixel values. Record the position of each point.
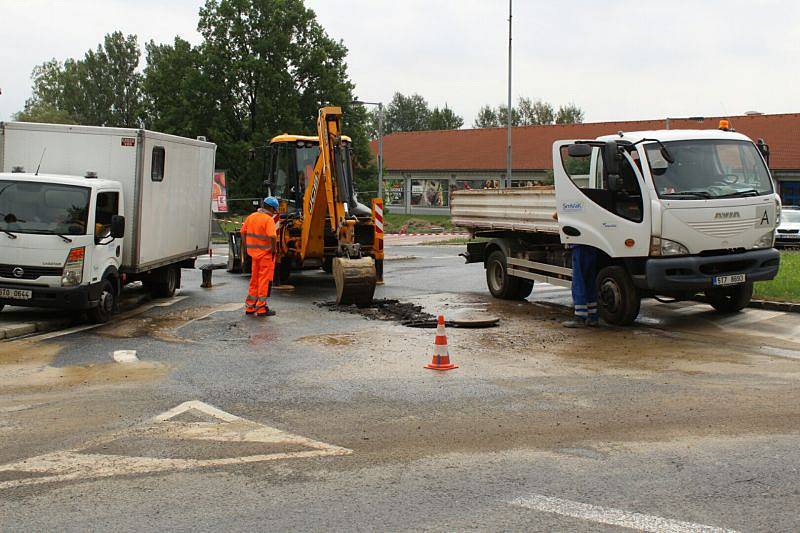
(257, 231)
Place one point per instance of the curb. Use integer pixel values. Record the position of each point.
(775, 306)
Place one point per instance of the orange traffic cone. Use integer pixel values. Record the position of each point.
(441, 358)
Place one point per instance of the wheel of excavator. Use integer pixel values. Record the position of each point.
(355, 281)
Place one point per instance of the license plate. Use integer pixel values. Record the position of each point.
(16, 294)
(734, 279)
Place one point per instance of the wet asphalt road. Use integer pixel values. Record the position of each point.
(687, 419)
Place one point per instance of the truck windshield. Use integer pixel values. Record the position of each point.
(47, 208)
(708, 169)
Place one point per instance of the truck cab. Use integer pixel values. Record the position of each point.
(61, 242)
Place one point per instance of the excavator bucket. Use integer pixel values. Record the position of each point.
(355, 280)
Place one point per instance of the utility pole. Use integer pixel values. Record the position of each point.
(507, 181)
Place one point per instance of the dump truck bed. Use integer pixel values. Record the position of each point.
(517, 209)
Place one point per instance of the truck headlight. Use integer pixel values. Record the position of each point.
(665, 247)
(766, 241)
(73, 268)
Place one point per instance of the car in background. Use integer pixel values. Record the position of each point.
(788, 232)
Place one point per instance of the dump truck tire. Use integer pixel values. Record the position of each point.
(355, 281)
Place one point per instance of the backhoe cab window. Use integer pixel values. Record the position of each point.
(292, 170)
(624, 200)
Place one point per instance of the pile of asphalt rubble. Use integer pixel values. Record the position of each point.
(388, 310)
(408, 314)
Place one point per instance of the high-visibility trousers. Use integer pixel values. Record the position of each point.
(261, 275)
(584, 281)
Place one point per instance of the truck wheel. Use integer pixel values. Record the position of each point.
(167, 284)
(619, 301)
(730, 299)
(105, 309)
(501, 285)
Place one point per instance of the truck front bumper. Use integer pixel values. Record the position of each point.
(698, 272)
(80, 298)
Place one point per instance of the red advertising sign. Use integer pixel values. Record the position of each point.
(219, 193)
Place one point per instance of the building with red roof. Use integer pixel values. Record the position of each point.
(421, 168)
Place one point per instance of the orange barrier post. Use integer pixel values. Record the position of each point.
(377, 247)
(441, 357)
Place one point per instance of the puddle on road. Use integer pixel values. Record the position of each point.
(343, 339)
(161, 327)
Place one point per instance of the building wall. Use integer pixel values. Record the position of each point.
(428, 193)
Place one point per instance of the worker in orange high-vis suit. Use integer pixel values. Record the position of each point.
(260, 241)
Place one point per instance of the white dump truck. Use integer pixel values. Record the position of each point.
(85, 210)
(671, 213)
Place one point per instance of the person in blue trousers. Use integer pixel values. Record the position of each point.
(584, 286)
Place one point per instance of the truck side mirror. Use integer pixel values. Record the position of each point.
(579, 150)
(117, 226)
(764, 149)
(611, 158)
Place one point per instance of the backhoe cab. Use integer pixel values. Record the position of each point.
(322, 223)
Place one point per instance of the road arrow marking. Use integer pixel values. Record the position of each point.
(218, 428)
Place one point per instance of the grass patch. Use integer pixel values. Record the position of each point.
(396, 222)
(785, 287)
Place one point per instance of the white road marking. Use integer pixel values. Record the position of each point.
(80, 464)
(125, 356)
(129, 314)
(613, 517)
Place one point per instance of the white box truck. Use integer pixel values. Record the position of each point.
(85, 210)
(671, 214)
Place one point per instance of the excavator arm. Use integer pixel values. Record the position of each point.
(326, 200)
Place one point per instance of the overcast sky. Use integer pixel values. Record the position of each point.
(627, 59)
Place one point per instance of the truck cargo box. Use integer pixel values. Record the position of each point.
(518, 209)
(166, 181)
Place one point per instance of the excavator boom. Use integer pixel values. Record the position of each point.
(326, 199)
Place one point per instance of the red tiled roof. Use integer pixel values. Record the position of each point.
(485, 149)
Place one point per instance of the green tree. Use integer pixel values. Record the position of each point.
(444, 119)
(487, 118)
(104, 88)
(569, 114)
(406, 113)
(176, 93)
(528, 112)
(535, 113)
(270, 66)
(502, 116)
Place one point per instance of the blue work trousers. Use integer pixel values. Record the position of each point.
(584, 281)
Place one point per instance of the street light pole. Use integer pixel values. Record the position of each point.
(380, 150)
(380, 141)
(509, 109)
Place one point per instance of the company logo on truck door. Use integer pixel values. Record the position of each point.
(727, 215)
(571, 207)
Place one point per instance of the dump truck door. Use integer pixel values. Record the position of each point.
(608, 212)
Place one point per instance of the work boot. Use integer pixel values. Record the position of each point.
(575, 323)
(592, 322)
(249, 310)
(265, 312)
